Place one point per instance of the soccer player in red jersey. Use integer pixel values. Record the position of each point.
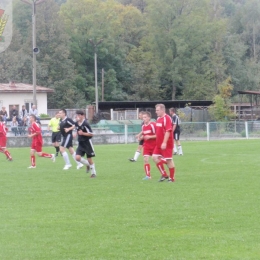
(164, 143)
(3, 139)
(148, 135)
(36, 147)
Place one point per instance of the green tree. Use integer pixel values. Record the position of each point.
(221, 109)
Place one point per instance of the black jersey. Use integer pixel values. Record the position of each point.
(84, 127)
(176, 121)
(66, 123)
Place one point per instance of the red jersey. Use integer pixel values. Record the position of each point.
(163, 125)
(149, 130)
(35, 128)
(3, 129)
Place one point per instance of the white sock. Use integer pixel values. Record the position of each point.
(74, 157)
(137, 153)
(84, 161)
(92, 168)
(180, 149)
(66, 158)
(174, 149)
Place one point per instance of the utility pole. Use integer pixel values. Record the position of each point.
(95, 58)
(103, 83)
(35, 49)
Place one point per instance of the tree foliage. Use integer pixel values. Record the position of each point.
(150, 50)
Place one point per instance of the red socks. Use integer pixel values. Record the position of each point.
(147, 169)
(46, 155)
(32, 160)
(8, 155)
(161, 169)
(172, 171)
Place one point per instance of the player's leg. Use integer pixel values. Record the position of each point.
(63, 146)
(159, 163)
(3, 141)
(175, 151)
(40, 153)
(171, 167)
(179, 147)
(92, 166)
(33, 161)
(167, 153)
(57, 142)
(138, 152)
(147, 167)
(73, 154)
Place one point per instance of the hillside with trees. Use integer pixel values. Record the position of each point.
(150, 50)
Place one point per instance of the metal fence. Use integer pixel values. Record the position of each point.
(189, 130)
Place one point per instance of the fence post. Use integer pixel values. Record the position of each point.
(246, 129)
(112, 114)
(208, 131)
(126, 134)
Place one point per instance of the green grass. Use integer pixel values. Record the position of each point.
(210, 212)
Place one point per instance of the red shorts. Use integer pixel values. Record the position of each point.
(148, 151)
(37, 147)
(167, 153)
(3, 141)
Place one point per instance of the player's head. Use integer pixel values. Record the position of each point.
(172, 111)
(63, 113)
(80, 115)
(57, 115)
(140, 115)
(146, 117)
(160, 110)
(32, 118)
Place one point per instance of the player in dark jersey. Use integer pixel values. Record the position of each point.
(66, 127)
(176, 131)
(141, 142)
(85, 145)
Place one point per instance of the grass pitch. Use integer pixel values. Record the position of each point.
(210, 212)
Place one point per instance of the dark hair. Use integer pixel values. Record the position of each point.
(80, 112)
(33, 116)
(172, 109)
(64, 111)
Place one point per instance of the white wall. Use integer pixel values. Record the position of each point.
(20, 99)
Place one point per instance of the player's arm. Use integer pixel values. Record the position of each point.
(173, 127)
(72, 123)
(49, 125)
(146, 137)
(88, 131)
(139, 135)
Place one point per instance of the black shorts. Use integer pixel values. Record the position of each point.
(176, 135)
(67, 141)
(85, 148)
(141, 142)
(56, 137)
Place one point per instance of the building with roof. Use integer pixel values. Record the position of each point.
(19, 94)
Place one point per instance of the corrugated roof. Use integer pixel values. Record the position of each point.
(252, 92)
(149, 104)
(22, 88)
